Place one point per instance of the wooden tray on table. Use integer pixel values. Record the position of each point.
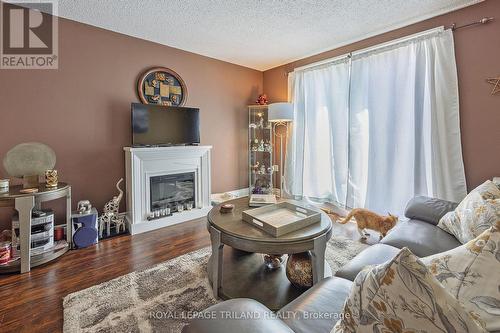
(282, 218)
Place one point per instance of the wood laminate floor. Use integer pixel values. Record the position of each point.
(32, 302)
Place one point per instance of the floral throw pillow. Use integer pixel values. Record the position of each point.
(402, 296)
(471, 273)
(478, 211)
(496, 181)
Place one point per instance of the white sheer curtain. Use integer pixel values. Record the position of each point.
(380, 128)
(317, 155)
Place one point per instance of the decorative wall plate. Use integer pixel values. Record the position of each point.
(163, 86)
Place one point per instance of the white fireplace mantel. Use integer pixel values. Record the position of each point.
(143, 163)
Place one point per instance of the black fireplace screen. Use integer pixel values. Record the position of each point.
(172, 191)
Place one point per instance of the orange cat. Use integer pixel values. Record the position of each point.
(366, 219)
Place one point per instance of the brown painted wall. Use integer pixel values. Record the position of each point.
(478, 58)
(82, 110)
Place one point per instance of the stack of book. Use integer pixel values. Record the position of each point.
(258, 200)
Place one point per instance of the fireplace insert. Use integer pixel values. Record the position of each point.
(174, 191)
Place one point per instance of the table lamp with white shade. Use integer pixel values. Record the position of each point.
(280, 114)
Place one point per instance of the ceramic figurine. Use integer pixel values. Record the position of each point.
(255, 145)
(105, 222)
(110, 214)
(261, 123)
(114, 204)
(261, 146)
(120, 224)
(263, 170)
(267, 146)
(84, 206)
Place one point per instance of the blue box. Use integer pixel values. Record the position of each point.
(85, 228)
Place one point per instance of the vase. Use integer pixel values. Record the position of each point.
(51, 178)
(299, 269)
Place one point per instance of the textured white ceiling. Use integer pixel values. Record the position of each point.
(259, 34)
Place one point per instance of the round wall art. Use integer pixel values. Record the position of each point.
(161, 85)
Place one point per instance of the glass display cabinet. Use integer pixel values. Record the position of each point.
(260, 150)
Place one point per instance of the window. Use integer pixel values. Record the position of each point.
(377, 128)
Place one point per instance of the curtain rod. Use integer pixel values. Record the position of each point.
(453, 27)
(484, 20)
(371, 48)
(398, 40)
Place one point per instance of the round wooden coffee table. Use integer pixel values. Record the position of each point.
(239, 271)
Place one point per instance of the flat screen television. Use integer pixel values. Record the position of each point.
(157, 125)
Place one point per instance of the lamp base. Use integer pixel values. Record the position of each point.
(30, 181)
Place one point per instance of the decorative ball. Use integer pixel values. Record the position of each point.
(29, 159)
(299, 269)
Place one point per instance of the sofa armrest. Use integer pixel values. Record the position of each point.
(427, 209)
(239, 315)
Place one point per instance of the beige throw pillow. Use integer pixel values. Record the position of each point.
(402, 296)
(471, 273)
(478, 211)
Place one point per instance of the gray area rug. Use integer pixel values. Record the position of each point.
(161, 298)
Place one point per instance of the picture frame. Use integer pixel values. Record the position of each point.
(162, 86)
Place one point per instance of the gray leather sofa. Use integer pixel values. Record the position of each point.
(320, 307)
